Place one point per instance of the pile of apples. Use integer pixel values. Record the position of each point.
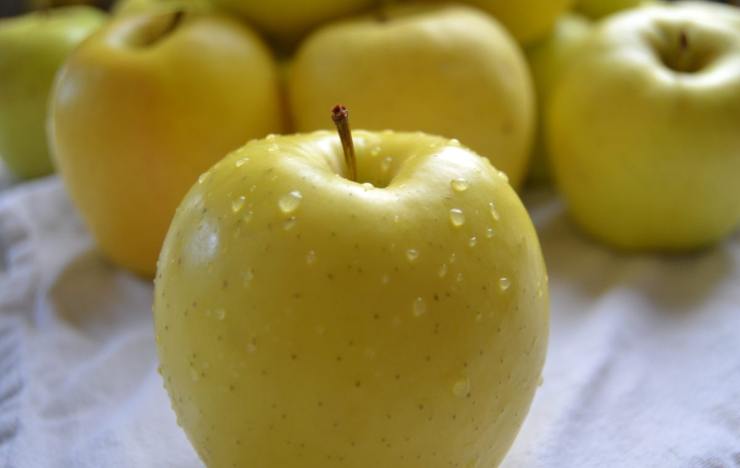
(376, 297)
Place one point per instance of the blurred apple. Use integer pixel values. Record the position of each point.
(447, 70)
(288, 20)
(32, 48)
(643, 129)
(305, 319)
(145, 106)
(527, 20)
(547, 60)
(124, 7)
(597, 9)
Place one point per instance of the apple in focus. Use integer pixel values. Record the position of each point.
(32, 48)
(643, 130)
(446, 70)
(145, 106)
(305, 319)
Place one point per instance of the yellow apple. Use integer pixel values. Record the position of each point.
(32, 48)
(597, 9)
(307, 320)
(447, 70)
(643, 130)
(288, 20)
(125, 7)
(547, 60)
(528, 20)
(146, 105)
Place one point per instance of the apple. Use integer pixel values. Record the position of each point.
(446, 70)
(126, 7)
(528, 20)
(643, 130)
(32, 48)
(547, 60)
(597, 9)
(308, 319)
(288, 20)
(146, 105)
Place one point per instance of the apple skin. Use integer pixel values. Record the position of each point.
(547, 60)
(32, 48)
(527, 20)
(127, 7)
(286, 21)
(445, 70)
(648, 157)
(136, 117)
(361, 328)
(597, 9)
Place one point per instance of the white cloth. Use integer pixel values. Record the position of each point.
(643, 368)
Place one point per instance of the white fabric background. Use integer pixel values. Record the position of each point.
(643, 368)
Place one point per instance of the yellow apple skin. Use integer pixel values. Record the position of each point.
(351, 325)
(288, 20)
(446, 70)
(547, 60)
(597, 9)
(648, 157)
(127, 7)
(136, 117)
(32, 48)
(528, 20)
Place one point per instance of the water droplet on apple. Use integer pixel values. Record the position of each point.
(194, 375)
(459, 185)
(203, 177)
(220, 314)
(385, 279)
(375, 151)
(457, 217)
(420, 307)
(461, 388)
(479, 317)
(504, 283)
(273, 148)
(459, 277)
(270, 137)
(396, 219)
(290, 202)
(241, 162)
(442, 271)
(238, 203)
(251, 347)
(490, 232)
(472, 241)
(247, 277)
(412, 255)
(290, 223)
(494, 211)
(311, 257)
(385, 164)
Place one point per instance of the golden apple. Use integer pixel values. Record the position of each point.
(145, 106)
(528, 20)
(32, 48)
(308, 320)
(643, 129)
(547, 60)
(288, 20)
(447, 70)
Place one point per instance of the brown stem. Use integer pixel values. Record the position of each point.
(340, 116)
(175, 21)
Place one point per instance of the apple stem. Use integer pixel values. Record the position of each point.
(340, 116)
